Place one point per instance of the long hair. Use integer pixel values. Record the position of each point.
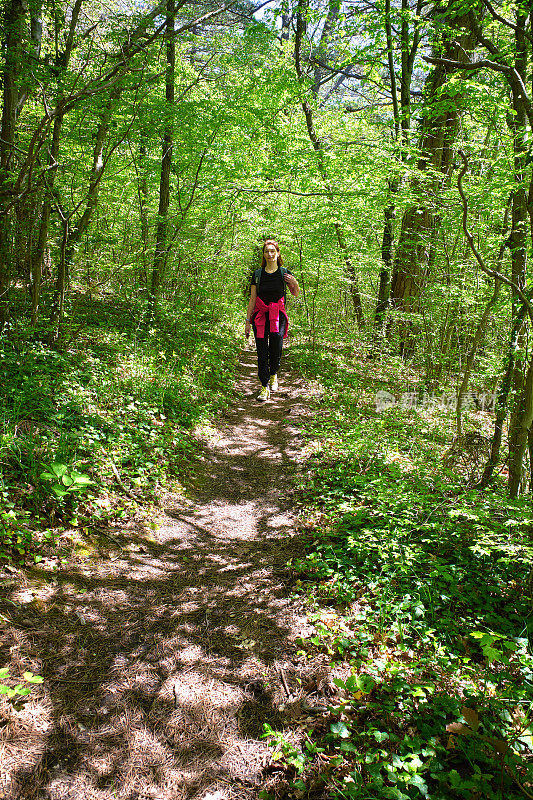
(276, 245)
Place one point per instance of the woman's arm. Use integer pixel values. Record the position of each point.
(250, 310)
(292, 283)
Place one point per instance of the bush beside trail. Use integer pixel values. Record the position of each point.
(98, 424)
(420, 592)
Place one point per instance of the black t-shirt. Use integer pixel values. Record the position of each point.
(271, 286)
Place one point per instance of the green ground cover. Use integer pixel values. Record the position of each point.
(420, 590)
(101, 422)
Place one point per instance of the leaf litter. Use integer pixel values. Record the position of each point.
(163, 660)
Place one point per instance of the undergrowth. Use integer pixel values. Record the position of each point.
(98, 423)
(420, 591)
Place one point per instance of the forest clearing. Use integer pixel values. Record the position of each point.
(328, 594)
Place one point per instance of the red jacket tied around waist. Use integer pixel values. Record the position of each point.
(273, 310)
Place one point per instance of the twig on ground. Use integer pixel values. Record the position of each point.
(121, 484)
(284, 681)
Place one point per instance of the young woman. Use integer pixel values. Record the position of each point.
(267, 315)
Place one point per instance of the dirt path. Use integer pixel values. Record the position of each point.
(162, 660)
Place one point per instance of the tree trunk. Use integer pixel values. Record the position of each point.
(319, 150)
(42, 240)
(142, 277)
(402, 122)
(502, 400)
(518, 246)
(439, 130)
(518, 435)
(160, 254)
(73, 233)
(38, 252)
(14, 14)
(385, 272)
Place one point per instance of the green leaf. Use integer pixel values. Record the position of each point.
(58, 469)
(81, 480)
(492, 654)
(340, 729)
(47, 476)
(455, 779)
(421, 785)
(4, 673)
(365, 683)
(348, 747)
(31, 678)
(351, 684)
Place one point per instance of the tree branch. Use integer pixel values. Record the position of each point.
(506, 22)
(493, 273)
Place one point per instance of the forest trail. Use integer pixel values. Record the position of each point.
(163, 659)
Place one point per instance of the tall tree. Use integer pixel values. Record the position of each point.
(13, 25)
(318, 146)
(160, 255)
(401, 106)
(454, 40)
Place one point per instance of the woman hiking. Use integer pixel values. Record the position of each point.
(267, 316)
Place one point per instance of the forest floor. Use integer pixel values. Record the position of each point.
(166, 647)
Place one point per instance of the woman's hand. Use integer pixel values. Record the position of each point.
(292, 283)
(247, 328)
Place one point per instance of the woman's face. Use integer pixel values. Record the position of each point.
(271, 254)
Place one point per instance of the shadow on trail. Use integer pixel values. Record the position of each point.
(159, 659)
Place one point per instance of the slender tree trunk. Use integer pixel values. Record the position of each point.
(160, 254)
(143, 210)
(480, 330)
(383, 302)
(319, 150)
(502, 400)
(38, 252)
(530, 453)
(439, 130)
(14, 14)
(518, 435)
(72, 233)
(518, 246)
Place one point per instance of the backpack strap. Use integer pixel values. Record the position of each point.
(283, 273)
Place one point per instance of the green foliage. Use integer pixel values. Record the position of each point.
(422, 590)
(284, 750)
(114, 400)
(19, 690)
(65, 481)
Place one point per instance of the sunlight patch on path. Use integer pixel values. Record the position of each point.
(161, 662)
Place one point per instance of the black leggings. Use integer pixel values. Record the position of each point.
(269, 350)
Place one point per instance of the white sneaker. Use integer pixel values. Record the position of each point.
(273, 383)
(264, 394)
